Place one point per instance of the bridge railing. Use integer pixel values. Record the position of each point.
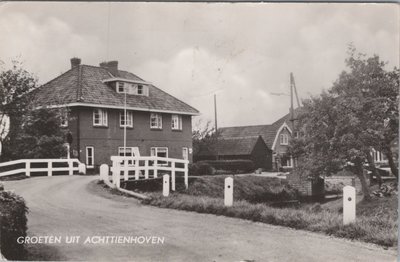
(145, 167)
(29, 166)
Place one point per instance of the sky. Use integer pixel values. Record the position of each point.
(242, 52)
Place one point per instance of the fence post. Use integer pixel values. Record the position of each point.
(70, 167)
(173, 175)
(137, 162)
(104, 172)
(228, 194)
(349, 205)
(125, 169)
(186, 174)
(155, 167)
(165, 185)
(28, 168)
(49, 170)
(82, 168)
(146, 171)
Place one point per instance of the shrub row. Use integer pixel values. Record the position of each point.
(208, 167)
(13, 211)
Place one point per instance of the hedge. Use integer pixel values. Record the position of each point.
(13, 224)
(234, 166)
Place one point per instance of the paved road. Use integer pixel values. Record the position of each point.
(65, 206)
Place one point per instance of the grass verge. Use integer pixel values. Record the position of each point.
(381, 230)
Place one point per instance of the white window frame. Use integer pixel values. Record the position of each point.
(185, 153)
(102, 115)
(290, 160)
(176, 122)
(87, 157)
(129, 118)
(121, 85)
(154, 152)
(157, 123)
(284, 139)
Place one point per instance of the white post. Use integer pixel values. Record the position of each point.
(165, 185)
(28, 168)
(104, 172)
(125, 169)
(228, 194)
(50, 170)
(136, 169)
(114, 171)
(82, 168)
(146, 171)
(155, 168)
(349, 205)
(186, 175)
(173, 175)
(70, 167)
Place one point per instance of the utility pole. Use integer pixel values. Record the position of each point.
(216, 126)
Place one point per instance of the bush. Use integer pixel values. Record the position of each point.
(201, 169)
(234, 166)
(13, 224)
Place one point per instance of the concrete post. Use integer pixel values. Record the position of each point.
(165, 185)
(228, 196)
(28, 168)
(104, 172)
(71, 167)
(349, 205)
(173, 176)
(50, 171)
(82, 168)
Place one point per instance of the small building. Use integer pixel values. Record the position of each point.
(277, 137)
(250, 148)
(94, 99)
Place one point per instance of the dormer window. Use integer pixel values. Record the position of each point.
(140, 90)
(120, 87)
(132, 89)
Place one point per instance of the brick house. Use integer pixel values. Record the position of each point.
(277, 137)
(250, 148)
(93, 98)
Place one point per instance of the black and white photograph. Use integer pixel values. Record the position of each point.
(199, 131)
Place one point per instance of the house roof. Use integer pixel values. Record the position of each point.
(267, 132)
(83, 85)
(234, 146)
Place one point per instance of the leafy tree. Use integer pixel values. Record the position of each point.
(32, 133)
(204, 139)
(40, 136)
(14, 84)
(340, 127)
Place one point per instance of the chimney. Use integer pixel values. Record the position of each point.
(103, 64)
(112, 67)
(75, 61)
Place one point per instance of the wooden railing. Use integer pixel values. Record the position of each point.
(29, 166)
(145, 167)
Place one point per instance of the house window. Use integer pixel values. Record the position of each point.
(90, 156)
(120, 87)
(129, 119)
(155, 121)
(100, 117)
(64, 118)
(287, 161)
(140, 90)
(128, 153)
(176, 122)
(284, 139)
(160, 152)
(185, 153)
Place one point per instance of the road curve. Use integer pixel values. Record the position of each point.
(76, 206)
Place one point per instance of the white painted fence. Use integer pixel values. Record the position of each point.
(142, 166)
(28, 168)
